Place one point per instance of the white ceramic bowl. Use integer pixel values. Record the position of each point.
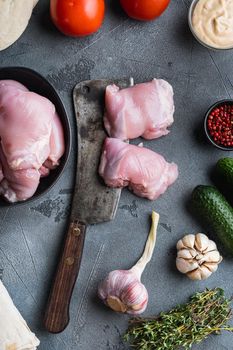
(190, 16)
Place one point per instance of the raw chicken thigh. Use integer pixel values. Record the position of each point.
(1, 173)
(18, 185)
(56, 146)
(145, 172)
(142, 110)
(14, 84)
(32, 140)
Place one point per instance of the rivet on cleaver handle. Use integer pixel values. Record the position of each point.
(93, 202)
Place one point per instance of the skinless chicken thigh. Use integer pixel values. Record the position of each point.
(1, 173)
(57, 143)
(25, 127)
(142, 110)
(31, 134)
(18, 185)
(145, 172)
(13, 83)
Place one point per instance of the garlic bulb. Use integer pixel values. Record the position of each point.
(197, 256)
(122, 290)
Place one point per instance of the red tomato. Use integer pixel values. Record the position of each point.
(77, 17)
(144, 10)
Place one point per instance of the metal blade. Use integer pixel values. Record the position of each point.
(93, 202)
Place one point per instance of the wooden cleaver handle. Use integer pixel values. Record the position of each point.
(57, 310)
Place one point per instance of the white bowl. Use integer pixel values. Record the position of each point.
(190, 16)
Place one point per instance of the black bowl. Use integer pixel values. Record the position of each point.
(37, 83)
(217, 104)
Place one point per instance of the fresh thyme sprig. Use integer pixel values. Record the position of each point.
(205, 314)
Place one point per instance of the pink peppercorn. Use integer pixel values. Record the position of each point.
(220, 125)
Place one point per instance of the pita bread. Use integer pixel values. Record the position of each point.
(14, 18)
(14, 331)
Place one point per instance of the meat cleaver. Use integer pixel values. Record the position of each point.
(93, 202)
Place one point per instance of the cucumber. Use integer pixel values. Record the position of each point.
(215, 212)
(224, 171)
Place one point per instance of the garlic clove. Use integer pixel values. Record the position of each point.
(180, 245)
(199, 274)
(187, 242)
(114, 283)
(135, 296)
(186, 254)
(201, 242)
(205, 272)
(195, 275)
(193, 252)
(213, 257)
(115, 304)
(137, 309)
(211, 246)
(185, 266)
(200, 258)
(211, 266)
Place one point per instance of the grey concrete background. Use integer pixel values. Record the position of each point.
(31, 236)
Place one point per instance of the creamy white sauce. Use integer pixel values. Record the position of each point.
(212, 22)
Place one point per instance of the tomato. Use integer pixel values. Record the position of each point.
(77, 17)
(144, 10)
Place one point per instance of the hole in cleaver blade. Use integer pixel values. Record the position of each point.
(93, 201)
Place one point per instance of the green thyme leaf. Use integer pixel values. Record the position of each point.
(207, 313)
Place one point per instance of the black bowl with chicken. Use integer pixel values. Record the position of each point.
(38, 84)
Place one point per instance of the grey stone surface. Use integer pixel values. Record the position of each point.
(31, 236)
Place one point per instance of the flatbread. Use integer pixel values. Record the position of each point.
(14, 18)
(14, 331)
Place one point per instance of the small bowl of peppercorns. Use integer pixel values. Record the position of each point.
(218, 125)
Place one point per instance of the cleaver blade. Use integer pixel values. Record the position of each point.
(93, 201)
